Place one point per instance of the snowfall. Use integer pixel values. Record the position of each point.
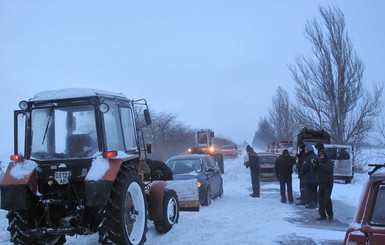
(236, 218)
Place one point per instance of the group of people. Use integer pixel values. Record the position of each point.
(316, 180)
(315, 172)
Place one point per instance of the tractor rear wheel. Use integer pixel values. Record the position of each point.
(126, 211)
(21, 221)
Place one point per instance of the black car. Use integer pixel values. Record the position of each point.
(201, 167)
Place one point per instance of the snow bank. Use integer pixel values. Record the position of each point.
(20, 170)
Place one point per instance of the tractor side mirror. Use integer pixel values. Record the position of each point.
(148, 148)
(147, 116)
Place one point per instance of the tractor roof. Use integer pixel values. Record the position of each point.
(69, 93)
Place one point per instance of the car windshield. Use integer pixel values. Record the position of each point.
(184, 166)
(267, 159)
(58, 132)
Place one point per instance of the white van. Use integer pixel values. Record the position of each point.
(342, 157)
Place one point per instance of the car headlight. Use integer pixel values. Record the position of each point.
(199, 184)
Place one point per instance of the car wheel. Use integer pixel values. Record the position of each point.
(170, 212)
(221, 189)
(207, 201)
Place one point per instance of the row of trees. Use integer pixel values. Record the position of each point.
(329, 90)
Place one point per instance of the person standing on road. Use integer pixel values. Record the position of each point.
(300, 160)
(309, 177)
(283, 170)
(255, 169)
(324, 168)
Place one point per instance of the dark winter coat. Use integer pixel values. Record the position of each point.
(301, 159)
(284, 165)
(307, 174)
(325, 168)
(254, 163)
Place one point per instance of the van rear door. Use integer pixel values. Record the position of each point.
(341, 156)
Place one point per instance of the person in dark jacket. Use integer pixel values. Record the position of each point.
(255, 169)
(324, 168)
(159, 170)
(309, 177)
(284, 169)
(300, 160)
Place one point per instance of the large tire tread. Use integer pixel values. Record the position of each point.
(20, 221)
(112, 229)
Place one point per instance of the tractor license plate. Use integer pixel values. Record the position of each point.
(63, 177)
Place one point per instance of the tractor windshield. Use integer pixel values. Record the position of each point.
(63, 132)
(202, 138)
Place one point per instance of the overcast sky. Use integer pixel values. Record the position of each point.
(215, 64)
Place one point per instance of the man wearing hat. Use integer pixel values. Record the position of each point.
(284, 169)
(309, 177)
(324, 168)
(300, 160)
(255, 169)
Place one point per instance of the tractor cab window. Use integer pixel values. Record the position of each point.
(202, 138)
(58, 132)
(120, 128)
(113, 128)
(128, 128)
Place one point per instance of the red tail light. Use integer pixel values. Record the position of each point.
(110, 154)
(17, 158)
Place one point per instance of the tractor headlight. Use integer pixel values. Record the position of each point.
(23, 105)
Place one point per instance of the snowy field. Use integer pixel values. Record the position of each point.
(237, 218)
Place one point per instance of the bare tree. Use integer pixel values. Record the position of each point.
(264, 134)
(329, 86)
(380, 136)
(168, 136)
(279, 125)
(280, 116)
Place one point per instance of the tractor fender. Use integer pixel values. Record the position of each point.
(18, 178)
(100, 177)
(155, 200)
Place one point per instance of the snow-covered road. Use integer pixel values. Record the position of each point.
(237, 218)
